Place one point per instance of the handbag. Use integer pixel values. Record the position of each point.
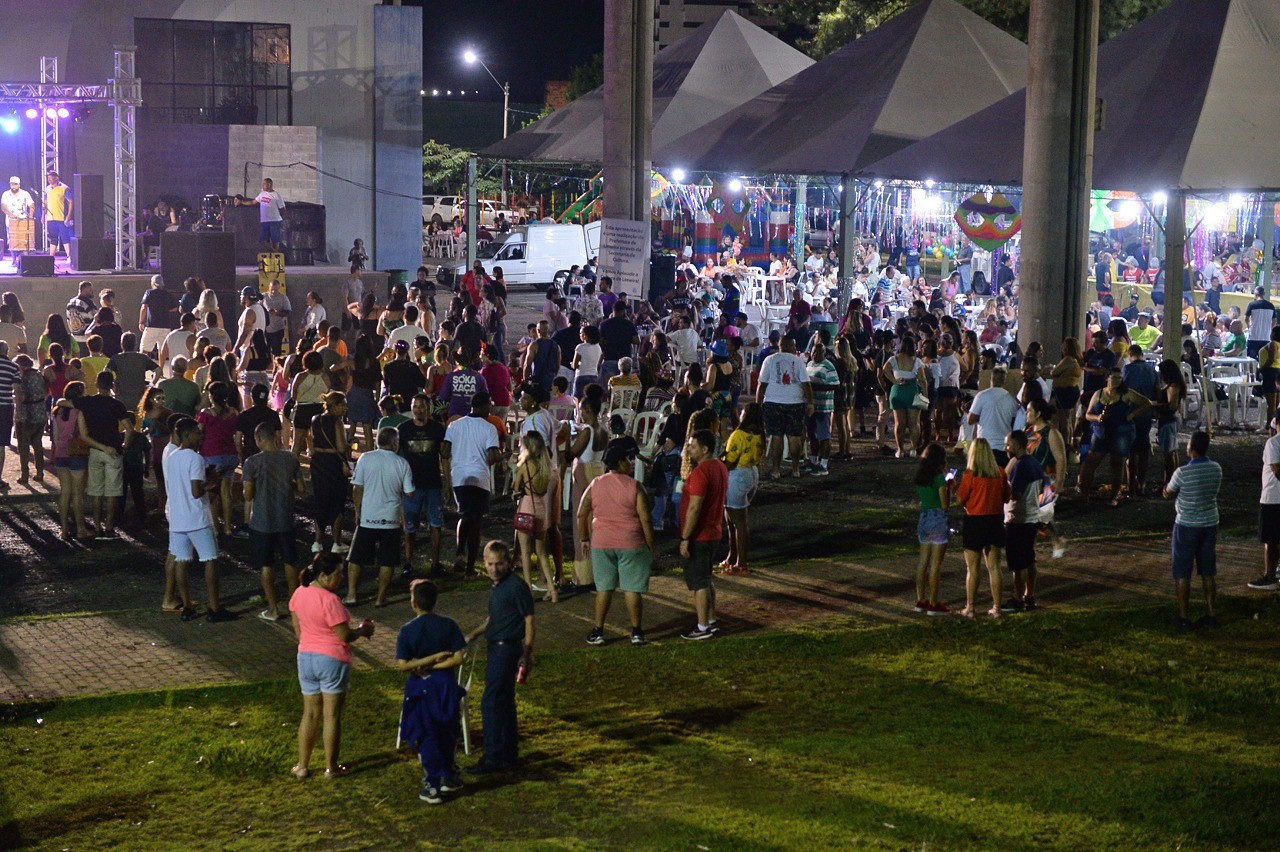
(920, 403)
(524, 522)
(77, 448)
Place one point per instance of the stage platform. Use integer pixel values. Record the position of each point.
(41, 296)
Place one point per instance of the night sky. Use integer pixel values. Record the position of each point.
(524, 42)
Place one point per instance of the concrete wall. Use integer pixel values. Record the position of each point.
(332, 66)
(397, 237)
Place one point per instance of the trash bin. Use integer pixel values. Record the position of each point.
(396, 276)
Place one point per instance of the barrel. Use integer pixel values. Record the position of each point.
(396, 276)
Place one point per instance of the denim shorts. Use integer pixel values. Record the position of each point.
(319, 673)
(428, 500)
(226, 465)
(1194, 548)
(933, 527)
(1168, 437)
(185, 546)
(742, 487)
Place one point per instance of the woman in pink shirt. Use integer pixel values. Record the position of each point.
(322, 625)
(219, 446)
(615, 521)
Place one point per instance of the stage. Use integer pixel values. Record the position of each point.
(42, 295)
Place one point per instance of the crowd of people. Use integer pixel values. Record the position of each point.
(632, 417)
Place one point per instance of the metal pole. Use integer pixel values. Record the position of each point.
(471, 214)
(799, 219)
(506, 95)
(1175, 237)
(848, 241)
(1266, 231)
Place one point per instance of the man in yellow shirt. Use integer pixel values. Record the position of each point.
(57, 212)
(1144, 334)
(93, 364)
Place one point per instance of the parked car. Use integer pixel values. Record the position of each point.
(532, 254)
(441, 209)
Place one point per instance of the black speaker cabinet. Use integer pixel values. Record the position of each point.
(89, 254)
(208, 255)
(36, 265)
(662, 276)
(88, 211)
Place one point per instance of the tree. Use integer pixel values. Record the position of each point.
(820, 27)
(444, 169)
(585, 77)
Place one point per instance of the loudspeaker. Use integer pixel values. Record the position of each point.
(208, 255)
(89, 254)
(36, 265)
(662, 276)
(88, 211)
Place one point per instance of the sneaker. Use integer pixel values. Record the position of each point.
(240, 533)
(713, 627)
(338, 549)
(695, 634)
(316, 547)
(217, 616)
(1061, 550)
(1265, 583)
(637, 638)
(430, 795)
(596, 637)
(922, 606)
(268, 615)
(820, 471)
(451, 785)
(536, 589)
(937, 609)
(189, 613)
(1208, 622)
(1013, 605)
(1028, 604)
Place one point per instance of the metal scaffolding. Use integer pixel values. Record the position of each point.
(126, 94)
(48, 129)
(123, 92)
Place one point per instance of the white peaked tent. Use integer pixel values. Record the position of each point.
(919, 72)
(704, 75)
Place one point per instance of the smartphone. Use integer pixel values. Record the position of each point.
(951, 474)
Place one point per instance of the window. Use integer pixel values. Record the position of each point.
(213, 72)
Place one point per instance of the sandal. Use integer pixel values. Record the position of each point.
(299, 772)
(995, 612)
(967, 612)
(338, 771)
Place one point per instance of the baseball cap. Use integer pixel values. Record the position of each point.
(259, 392)
(250, 292)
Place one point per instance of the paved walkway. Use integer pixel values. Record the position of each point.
(141, 650)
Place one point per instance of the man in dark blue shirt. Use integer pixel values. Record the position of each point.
(431, 647)
(509, 632)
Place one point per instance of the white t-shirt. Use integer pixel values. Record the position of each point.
(176, 341)
(470, 439)
(1270, 485)
(995, 409)
(384, 477)
(685, 340)
(408, 333)
(313, 316)
(588, 359)
(269, 206)
(259, 321)
(186, 513)
(785, 374)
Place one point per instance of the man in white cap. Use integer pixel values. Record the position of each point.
(157, 317)
(19, 208)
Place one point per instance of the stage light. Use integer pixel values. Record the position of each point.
(50, 112)
(63, 112)
(1237, 200)
(928, 184)
(1160, 198)
(678, 175)
(9, 123)
(31, 112)
(879, 184)
(81, 113)
(435, 93)
(735, 185)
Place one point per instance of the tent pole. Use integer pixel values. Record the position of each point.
(848, 240)
(800, 215)
(1266, 231)
(472, 214)
(1175, 238)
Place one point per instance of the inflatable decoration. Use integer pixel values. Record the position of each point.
(989, 223)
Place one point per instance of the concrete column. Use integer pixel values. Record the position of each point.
(848, 239)
(1057, 169)
(1175, 238)
(628, 108)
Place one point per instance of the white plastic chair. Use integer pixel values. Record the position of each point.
(644, 428)
(624, 397)
(627, 415)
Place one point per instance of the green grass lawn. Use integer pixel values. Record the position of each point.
(1073, 730)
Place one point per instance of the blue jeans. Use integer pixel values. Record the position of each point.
(498, 705)
(913, 271)
(668, 469)
(608, 369)
(966, 277)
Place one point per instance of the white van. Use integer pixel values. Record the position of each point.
(533, 254)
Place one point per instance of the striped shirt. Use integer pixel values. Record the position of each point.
(9, 376)
(1196, 483)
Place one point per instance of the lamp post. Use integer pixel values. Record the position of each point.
(472, 58)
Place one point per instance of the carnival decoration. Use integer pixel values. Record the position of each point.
(987, 222)
(1111, 210)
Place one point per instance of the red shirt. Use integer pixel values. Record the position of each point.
(709, 480)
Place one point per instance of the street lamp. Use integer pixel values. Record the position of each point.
(472, 58)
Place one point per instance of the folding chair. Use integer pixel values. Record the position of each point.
(627, 415)
(624, 397)
(466, 672)
(644, 428)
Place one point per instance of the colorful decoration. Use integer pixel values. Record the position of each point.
(1111, 210)
(989, 223)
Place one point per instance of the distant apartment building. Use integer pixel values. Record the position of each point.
(674, 19)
